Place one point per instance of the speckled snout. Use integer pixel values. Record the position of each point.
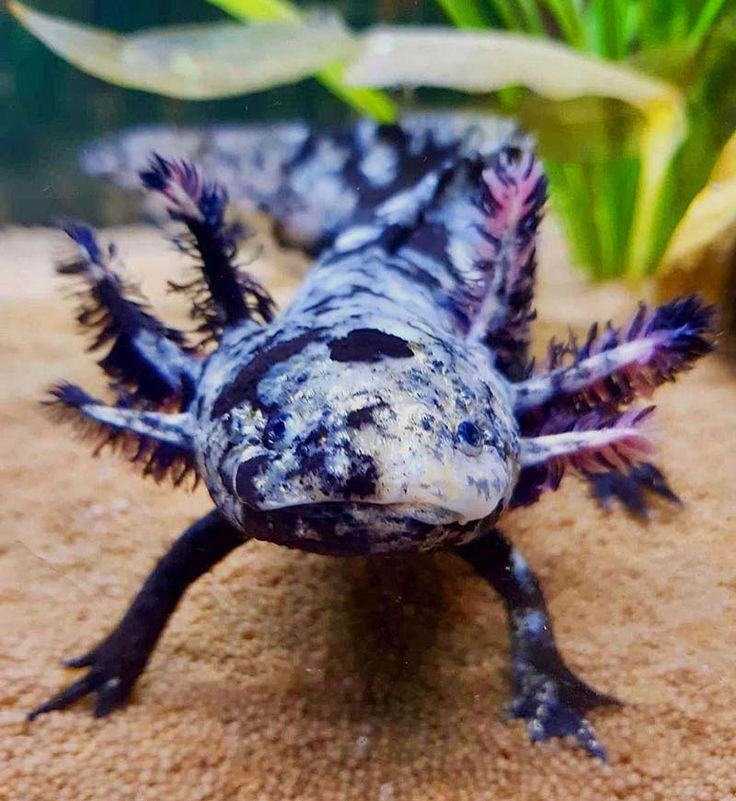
(406, 456)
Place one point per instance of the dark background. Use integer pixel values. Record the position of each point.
(48, 108)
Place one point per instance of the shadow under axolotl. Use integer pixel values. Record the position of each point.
(383, 634)
(392, 658)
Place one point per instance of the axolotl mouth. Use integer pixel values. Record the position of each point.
(431, 514)
(355, 527)
(420, 512)
(363, 512)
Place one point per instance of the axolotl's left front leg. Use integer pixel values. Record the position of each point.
(545, 691)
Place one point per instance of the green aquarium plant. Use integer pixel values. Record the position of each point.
(621, 188)
(629, 99)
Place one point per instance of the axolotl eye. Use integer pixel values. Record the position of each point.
(277, 429)
(469, 438)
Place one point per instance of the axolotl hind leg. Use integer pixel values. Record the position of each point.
(632, 489)
(546, 692)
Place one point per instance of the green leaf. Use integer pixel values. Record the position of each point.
(509, 13)
(568, 18)
(262, 10)
(367, 101)
(707, 18)
(533, 22)
(609, 18)
(374, 104)
(197, 61)
(661, 138)
(583, 130)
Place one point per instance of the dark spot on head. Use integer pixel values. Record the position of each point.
(363, 417)
(362, 480)
(310, 454)
(369, 345)
(244, 386)
(244, 486)
(316, 436)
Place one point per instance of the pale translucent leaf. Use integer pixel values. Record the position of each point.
(197, 61)
(486, 61)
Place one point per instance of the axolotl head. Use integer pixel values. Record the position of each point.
(370, 420)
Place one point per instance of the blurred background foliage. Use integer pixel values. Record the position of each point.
(48, 108)
(588, 147)
(622, 173)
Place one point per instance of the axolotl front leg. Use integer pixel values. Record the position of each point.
(546, 692)
(114, 665)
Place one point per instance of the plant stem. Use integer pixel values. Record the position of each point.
(532, 18)
(708, 15)
(508, 13)
(371, 102)
(567, 17)
(464, 13)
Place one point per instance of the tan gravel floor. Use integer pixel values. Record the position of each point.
(289, 676)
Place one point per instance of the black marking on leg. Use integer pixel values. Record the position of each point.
(545, 691)
(369, 345)
(116, 663)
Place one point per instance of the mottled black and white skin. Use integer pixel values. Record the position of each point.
(393, 405)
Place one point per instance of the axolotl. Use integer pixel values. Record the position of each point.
(393, 406)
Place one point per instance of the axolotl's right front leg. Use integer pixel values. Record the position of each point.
(545, 691)
(116, 663)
